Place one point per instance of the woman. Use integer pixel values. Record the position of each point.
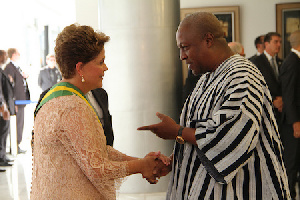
(71, 158)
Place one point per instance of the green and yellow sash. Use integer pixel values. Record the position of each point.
(63, 89)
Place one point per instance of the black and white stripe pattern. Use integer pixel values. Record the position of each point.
(231, 109)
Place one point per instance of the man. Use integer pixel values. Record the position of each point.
(290, 81)
(237, 47)
(49, 75)
(4, 113)
(259, 45)
(228, 145)
(269, 65)
(21, 92)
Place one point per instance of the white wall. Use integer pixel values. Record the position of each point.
(256, 17)
(87, 13)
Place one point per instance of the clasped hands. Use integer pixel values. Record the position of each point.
(156, 166)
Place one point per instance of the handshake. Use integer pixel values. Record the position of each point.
(155, 165)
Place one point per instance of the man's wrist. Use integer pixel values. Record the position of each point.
(179, 133)
(179, 137)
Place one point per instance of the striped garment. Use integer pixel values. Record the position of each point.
(237, 134)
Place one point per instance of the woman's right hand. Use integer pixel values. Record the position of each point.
(149, 168)
(152, 166)
(162, 168)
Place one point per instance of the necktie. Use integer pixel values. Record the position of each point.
(21, 72)
(52, 74)
(274, 66)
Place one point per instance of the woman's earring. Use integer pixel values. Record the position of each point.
(82, 79)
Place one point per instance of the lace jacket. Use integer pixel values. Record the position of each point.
(70, 158)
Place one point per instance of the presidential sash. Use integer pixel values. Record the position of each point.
(63, 89)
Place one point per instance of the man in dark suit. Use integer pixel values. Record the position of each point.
(99, 100)
(21, 92)
(290, 80)
(269, 65)
(4, 112)
(49, 75)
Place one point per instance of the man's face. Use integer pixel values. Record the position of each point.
(51, 62)
(273, 47)
(16, 56)
(192, 49)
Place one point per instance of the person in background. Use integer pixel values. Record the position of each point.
(71, 159)
(20, 88)
(290, 133)
(50, 74)
(237, 47)
(227, 142)
(269, 65)
(4, 113)
(259, 45)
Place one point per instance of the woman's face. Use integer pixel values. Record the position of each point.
(93, 71)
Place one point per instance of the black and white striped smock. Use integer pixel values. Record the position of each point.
(231, 109)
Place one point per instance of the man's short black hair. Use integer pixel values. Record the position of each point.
(268, 36)
(258, 40)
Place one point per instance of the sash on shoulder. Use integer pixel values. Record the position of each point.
(62, 89)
